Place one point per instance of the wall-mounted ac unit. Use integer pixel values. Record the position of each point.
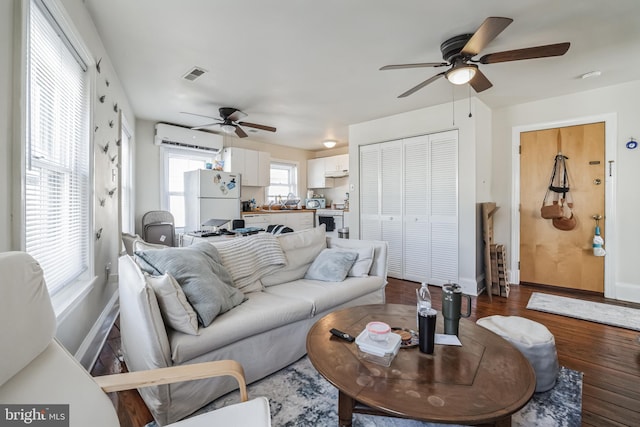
(187, 138)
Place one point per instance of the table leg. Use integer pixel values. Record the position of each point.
(345, 409)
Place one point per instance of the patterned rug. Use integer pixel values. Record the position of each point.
(608, 314)
(299, 396)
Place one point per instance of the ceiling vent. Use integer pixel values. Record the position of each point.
(194, 73)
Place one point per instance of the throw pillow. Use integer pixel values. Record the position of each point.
(332, 265)
(364, 261)
(176, 311)
(199, 270)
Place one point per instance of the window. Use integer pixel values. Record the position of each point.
(176, 162)
(284, 178)
(57, 181)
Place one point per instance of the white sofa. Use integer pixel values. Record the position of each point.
(265, 333)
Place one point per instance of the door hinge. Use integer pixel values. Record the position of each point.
(518, 265)
(519, 149)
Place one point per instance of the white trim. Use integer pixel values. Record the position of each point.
(90, 348)
(611, 131)
(70, 296)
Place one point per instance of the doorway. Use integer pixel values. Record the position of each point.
(548, 255)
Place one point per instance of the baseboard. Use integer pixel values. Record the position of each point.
(92, 344)
(628, 292)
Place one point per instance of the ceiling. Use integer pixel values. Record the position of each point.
(311, 68)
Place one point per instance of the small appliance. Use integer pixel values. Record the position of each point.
(315, 203)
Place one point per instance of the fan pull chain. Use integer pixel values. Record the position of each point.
(469, 96)
(453, 106)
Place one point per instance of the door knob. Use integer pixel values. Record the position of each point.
(597, 181)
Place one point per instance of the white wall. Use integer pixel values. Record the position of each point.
(147, 167)
(471, 132)
(620, 100)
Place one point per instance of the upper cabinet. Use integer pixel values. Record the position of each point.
(254, 166)
(321, 171)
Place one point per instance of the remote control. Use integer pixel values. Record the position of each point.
(342, 335)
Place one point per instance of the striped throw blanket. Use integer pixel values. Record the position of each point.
(250, 258)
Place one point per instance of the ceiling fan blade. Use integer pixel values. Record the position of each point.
(204, 126)
(240, 132)
(262, 127)
(480, 82)
(418, 65)
(546, 51)
(488, 31)
(421, 85)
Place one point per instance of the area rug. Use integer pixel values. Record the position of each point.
(300, 397)
(609, 314)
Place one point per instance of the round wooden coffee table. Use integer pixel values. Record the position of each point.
(482, 382)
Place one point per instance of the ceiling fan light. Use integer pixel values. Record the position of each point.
(461, 75)
(228, 128)
(329, 144)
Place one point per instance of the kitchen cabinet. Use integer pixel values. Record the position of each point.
(294, 220)
(256, 220)
(321, 171)
(316, 177)
(336, 165)
(408, 197)
(254, 166)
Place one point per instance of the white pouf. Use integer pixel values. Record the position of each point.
(533, 340)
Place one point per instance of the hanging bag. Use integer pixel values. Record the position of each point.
(555, 209)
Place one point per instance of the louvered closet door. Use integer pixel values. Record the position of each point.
(444, 207)
(391, 197)
(416, 259)
(370, 192)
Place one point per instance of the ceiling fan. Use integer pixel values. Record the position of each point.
(458, 52)
(229, 123)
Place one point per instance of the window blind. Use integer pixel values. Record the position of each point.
(57, 171)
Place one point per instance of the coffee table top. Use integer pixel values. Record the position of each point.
(484, 380)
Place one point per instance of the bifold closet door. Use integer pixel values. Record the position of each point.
(416, 251)
(370, 192)
(391, 197)
(443, 209)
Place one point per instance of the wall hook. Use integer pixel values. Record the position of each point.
(99, 234)
(105, 148)
(112, 191)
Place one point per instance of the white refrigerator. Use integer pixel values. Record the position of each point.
(210, 195)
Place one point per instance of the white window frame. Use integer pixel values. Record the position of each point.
(295, 166)
(67, 296)
(127, 181)
(165, 154)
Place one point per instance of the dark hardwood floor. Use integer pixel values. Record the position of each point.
(608, 356)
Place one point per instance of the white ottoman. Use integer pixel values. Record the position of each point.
(533, 340)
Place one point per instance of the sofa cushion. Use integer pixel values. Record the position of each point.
(199, 270)
(259, 313)
(327, 295)
(363, 263)
(176, 311)
(300, 248)
(331, 265)
(249, 258)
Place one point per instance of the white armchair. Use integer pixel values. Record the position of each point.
(36, 370)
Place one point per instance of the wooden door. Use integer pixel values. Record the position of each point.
(547, 255)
